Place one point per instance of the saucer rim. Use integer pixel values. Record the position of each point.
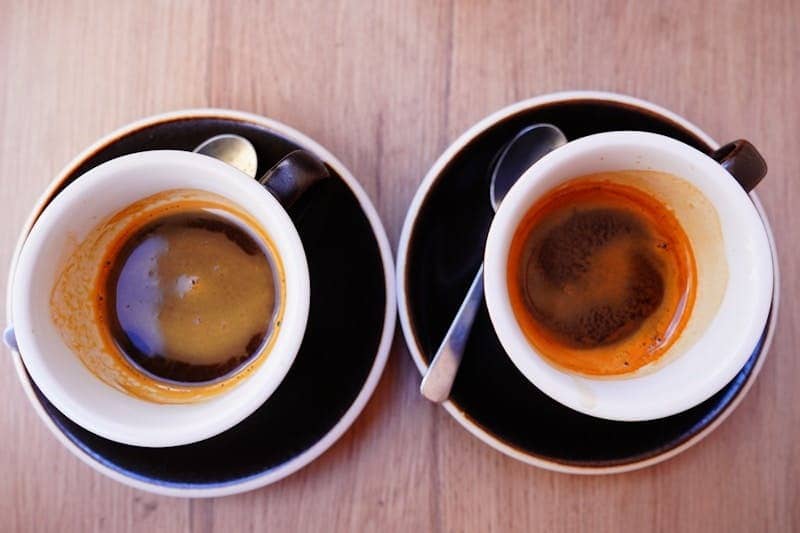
(343, 423)
(427, 183)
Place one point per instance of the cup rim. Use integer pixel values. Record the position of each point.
(416, 350)
(174, 424)
(643, 395)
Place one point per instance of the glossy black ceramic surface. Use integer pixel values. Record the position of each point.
(444, 253)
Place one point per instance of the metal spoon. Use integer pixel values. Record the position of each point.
(232, 149)
(527, 147)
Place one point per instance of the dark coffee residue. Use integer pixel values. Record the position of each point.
(566, 256)
(566, 252)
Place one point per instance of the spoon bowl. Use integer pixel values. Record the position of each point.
(232, 149)
(526, 148)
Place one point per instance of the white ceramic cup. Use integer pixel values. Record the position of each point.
(59, 373)
(734, 267)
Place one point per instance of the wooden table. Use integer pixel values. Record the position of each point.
(386, 86)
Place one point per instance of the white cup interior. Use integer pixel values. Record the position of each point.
(62, 377)
(734, 271)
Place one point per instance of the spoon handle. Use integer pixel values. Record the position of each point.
(441, 374)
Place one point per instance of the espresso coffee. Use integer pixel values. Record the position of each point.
(189, 297)
(601, 276)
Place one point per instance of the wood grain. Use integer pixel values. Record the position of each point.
(387, 86)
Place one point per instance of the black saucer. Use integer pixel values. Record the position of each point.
(343, 352)
(442, 248)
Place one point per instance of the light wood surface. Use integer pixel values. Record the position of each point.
(387, 85)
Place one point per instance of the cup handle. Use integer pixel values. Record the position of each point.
(743, 162)
(293, 175)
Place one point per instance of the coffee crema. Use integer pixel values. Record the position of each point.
(601, 276)
(189, 297)
(175, 298)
